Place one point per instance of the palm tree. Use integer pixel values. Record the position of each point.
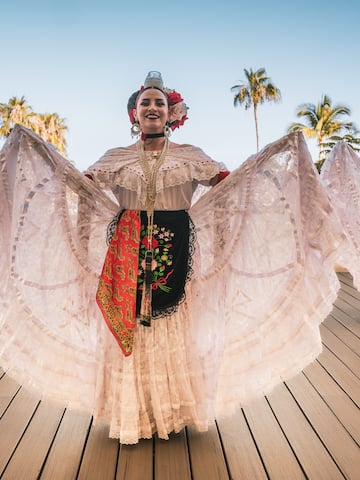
(254, 91)
(53, 129)
(323, 122)
(17, 110)
(49, 126)
(352, 138)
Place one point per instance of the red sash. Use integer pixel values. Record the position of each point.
(116, 294)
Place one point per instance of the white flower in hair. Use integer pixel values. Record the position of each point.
(177, 111)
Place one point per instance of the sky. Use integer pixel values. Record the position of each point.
(83, 58)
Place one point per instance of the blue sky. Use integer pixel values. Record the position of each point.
(83, 58)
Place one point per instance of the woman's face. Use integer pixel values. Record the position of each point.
(152, 111)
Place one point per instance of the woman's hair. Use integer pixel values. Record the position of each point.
(132, 101)
(134, 97)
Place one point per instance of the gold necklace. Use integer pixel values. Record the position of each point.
(150, 178)
(154, 155)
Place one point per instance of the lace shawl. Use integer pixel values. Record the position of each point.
(119, 167)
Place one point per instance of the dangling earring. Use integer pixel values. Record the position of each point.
(135, 129)
(167, 130)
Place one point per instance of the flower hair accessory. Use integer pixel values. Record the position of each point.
(177, 107)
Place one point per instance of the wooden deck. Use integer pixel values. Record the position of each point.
(308, 428)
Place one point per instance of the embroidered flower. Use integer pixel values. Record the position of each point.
(162, 257)
(145, 242)
(154, 264)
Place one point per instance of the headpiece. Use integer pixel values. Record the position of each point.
(177, 107)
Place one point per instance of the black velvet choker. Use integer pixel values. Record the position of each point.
(154, 135)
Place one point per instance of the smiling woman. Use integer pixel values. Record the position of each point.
(203, 305)
(151, 111)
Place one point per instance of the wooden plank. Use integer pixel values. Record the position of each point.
(348, 302)
(136, 461)
(242, 456)
(68, 446)
(8, 390)
(172, 458)
(341, 374)
(346, 277)
(346, 336)
(308, 448)
(352, 324)
(349, 288)
(351, 311)
(13, 424)
(337, 440)
(100, 456)
(347, 283)
(338, 348)
(206, 455)
(29, 456)
(349, 298)
(275, 451)
(342, 406)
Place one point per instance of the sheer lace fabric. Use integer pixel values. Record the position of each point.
(119, 171)
(267, 242)
(340, 176)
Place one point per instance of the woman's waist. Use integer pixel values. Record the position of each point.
(170, 201)
(180, 213)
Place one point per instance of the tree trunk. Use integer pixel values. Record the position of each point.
(320, 145)
(256, 128)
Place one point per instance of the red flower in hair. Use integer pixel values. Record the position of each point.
(178, 123)
(174, 97)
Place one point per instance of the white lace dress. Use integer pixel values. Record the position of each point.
(267, 242)
(340, 176)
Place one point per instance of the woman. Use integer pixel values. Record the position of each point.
(148, 264)
(206, 305)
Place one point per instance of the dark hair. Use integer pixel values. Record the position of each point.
(133, 98)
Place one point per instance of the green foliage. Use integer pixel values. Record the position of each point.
(49, 126)
(351, 138)
(325, 123)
